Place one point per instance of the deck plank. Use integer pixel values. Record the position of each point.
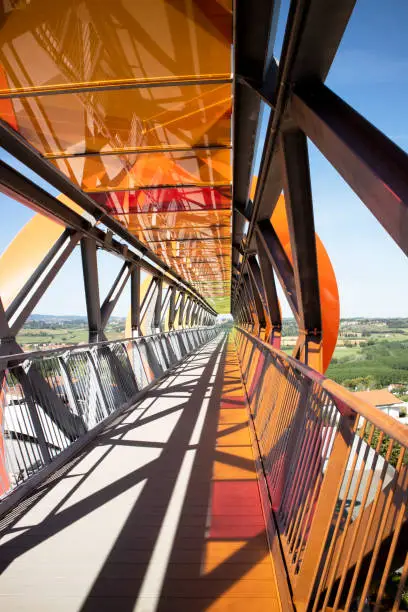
(162, 512)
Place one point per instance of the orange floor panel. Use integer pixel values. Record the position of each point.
(236, 532)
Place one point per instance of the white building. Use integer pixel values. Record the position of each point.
(385, 401)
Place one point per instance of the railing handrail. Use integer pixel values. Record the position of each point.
(386, 423)
(50, 410)
(17, 358)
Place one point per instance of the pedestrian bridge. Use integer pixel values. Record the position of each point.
(222, 476)
(161, 511)
(188, 465)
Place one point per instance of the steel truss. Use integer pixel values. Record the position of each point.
(301, 107)
(131, 249)
(83, 230)
(13, 318)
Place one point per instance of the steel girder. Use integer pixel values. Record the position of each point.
(302, 107)
(26, 191)
(33, 290)
(135, 305)
(79, 228)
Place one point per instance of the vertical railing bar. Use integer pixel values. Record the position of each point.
(311, 450)
(15, 425)
(305, 489)
(98, 383)
(310, 435)
(372, 514)
(397, 529)
(58, 433)
(296, 472)
(309, 503)
(350, 511)
(35, 451)
(381, 528)
(340, 514)
(69, 387)
(32, 409)
(142, 364)
(49, 426)
(403, 579)
(287, 495)
(290, 409)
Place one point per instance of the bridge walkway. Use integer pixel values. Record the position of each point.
(161, 511)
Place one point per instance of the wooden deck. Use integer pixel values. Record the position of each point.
(162, 511)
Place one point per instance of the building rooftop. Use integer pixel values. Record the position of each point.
(379, 397)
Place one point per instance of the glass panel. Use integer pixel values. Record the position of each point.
(194, 248)
(125, 113)
(165, 200)
(164, 234)
(111, 121)
(176, 220)
(113, 172)
(95, 42)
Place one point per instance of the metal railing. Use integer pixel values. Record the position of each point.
(50, 399)
(336, 477)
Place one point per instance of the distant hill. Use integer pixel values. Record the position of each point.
(64, 318)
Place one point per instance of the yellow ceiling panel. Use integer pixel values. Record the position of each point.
(132, 100)
(45, 47)
(126, 172)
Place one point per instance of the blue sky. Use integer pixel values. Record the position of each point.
(370, 72)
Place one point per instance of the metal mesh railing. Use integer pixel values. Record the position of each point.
(48, 400)
(336, 470)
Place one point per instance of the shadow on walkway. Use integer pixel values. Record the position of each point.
(161, 512)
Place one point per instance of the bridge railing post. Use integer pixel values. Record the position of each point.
(322, 517)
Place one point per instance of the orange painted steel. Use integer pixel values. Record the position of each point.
(329, 295)
(176, 220)
(336, 471)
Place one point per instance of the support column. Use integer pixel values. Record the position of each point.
(172, 307)
(194, 314)
(187, 321)
(181, 310)
(280, 262)
(135, 301)
(299, 212)
(248, 300)
(114, 294)
(266, 280)
(158, 305)
(90, 271)
(258, 301)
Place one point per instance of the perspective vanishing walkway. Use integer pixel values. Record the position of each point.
(161, 512)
